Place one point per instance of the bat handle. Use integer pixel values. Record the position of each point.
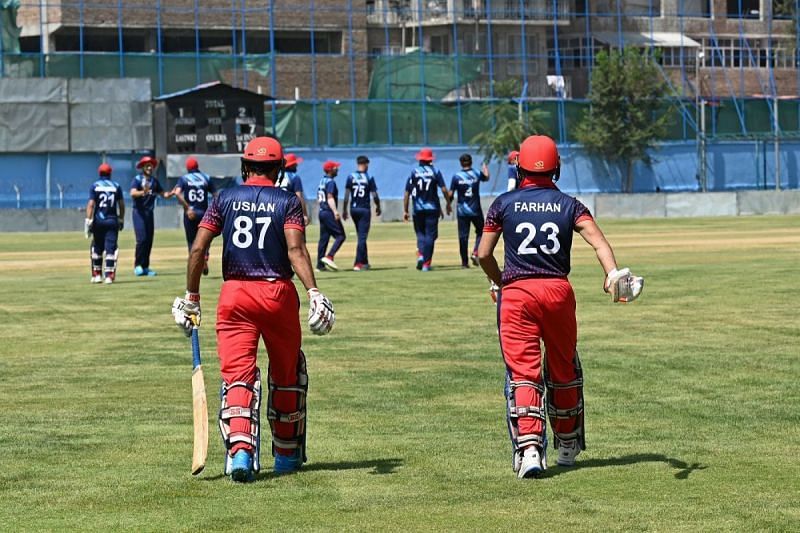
(195, 349)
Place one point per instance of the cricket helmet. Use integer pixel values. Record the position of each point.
(512, 156)
(263, 150)
(330, 166)
(192, 164)
(539, 154)
(426, 154)
(104, 169)
(147, 160)
(292, 160)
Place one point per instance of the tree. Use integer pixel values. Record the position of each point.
(506, 124)
(625, 118)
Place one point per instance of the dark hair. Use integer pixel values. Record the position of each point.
(258, 168)
(465, 159)
(362, 160)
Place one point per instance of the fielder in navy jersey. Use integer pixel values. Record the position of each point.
(144, 189)
(357, 190)
(291, 182)
(263, 247)
(423, 186)
(466, 183)
(105, 214)
(193, 191)
(512, 170)
(536, 304)
(330, 221)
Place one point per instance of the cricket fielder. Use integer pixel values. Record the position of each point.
(423, 186)
(105, 215)
(263, 247)
(536, 304)
(330, 221)
(467, 184)
(145, 187)
(357, 190)
(512, 170)
(193, 191)
(291, 182)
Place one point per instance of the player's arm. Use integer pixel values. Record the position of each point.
(346, 200)
(121, 210)
(489, 241)
(406, 196)
(377, 201)
(302, 199)
(299, 258)
(484, 172)
(197, 257)
(332, 204)
(137, 193)
(178, 193)
(448, 199)
(591, 233)
(90, 209)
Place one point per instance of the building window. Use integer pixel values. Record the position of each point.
(440, 44)
(299, 42)
(748, 9)
(98, 40)
(697, 8)
(747, 53)
(783, 9)
(643, 8)
(573, 53)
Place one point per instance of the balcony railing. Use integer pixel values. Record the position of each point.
(498, 10)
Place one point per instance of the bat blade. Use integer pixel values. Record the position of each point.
(200, 409)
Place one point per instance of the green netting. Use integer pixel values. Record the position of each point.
(9, 31)
(420, 76)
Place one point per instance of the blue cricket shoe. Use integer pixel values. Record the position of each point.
(242, 467)
(286, 464)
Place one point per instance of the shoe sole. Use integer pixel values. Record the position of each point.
(241, 475)
(330, 265)
(531, 473)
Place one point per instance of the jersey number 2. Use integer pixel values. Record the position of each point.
(550, 228)
(243, 234)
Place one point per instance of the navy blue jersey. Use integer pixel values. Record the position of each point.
(291, 182)
(196, 187)
(106, 195)
(252, 218)
(537, 225)
(423, 185)
(361, 185)
(148, 201)
(327, 185)
(467, 183)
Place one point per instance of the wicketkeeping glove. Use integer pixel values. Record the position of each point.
(87, 227)
(623, 286)
(186, 312)
(321, 316)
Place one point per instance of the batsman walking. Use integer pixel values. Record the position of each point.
(263, 248)
(536, 304)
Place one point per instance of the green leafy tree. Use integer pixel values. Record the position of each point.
(511, 126)
(626, 117)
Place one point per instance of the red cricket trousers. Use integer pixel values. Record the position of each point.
(247, 311)
(534, 310)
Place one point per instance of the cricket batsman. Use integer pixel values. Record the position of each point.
(536, 304)
(193, 191)
(105, 215)
(263, 247)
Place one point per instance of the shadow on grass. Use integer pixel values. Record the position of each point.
(377, 466)
(683, 468)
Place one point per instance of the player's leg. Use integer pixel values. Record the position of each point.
(237, 346)
(563, 373)
(96, 253)
(339, 236)
(419, 232)
(190, 229)
(140, 230)
(288, 379)
(478, 222)
(110, 270)
(431, 234)
(520, 332)
(150, 230)
(361, 219)
(324, 238)
(463, 239)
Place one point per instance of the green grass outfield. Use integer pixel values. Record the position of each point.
(692, 393)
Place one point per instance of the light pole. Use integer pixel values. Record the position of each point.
(700, 122)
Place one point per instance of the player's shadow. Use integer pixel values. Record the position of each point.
(375, 466)
(683, 468)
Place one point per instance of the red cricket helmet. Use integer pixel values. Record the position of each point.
(426, 154)
(538, 153)
(263, 150)
(192, 164)
(329, 166)
(292, 160)
(104, 169)
(147, 160)
(512, 156)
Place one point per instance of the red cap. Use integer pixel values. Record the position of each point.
(262, 150)
(192, 164)
(104, 169)
(147, 160)
(329, 166)
(512, 156)
(426, 154)
(292, 160)
(538, 153)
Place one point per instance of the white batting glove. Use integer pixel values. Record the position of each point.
(186, 312)
(321, 316)
(494, 291)
(623, 286)
(87, 227)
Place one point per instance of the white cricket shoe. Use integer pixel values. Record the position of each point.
(567, 452)
(97, 279)
(328, 262)
(109, 280)
(533, 464)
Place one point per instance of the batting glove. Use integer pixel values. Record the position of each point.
(494, 291)
(321, 316)
(623, 286)
(87, 227)
(121, 224)
(186, 312)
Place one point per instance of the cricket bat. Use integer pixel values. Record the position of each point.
(200, 408)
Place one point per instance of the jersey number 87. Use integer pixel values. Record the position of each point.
(243, 234)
